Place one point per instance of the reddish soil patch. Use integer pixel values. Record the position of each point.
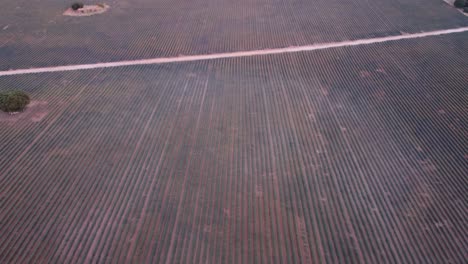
(87, 10)
(34, 112)
(364, 74)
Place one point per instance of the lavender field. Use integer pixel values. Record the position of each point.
(353, 154)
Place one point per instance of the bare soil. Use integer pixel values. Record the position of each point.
(87, 10)
(34, 112)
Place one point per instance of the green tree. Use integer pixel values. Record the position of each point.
(459, 3)
(13, 101)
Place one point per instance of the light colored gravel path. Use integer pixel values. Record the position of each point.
(232, 54)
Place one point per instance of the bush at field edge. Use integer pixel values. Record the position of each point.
(76, 6)
(13, 101)
(459, 3)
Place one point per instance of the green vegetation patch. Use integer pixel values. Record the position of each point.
(459, 3)
(76, 6)
(13, 101)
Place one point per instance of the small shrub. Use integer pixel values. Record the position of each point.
(459, 3)
(13, 101)
(77, 6)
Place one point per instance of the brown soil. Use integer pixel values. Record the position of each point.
(34, 112)
(87, 10)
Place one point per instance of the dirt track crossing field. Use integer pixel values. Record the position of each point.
(344, 155)
(238, 54)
